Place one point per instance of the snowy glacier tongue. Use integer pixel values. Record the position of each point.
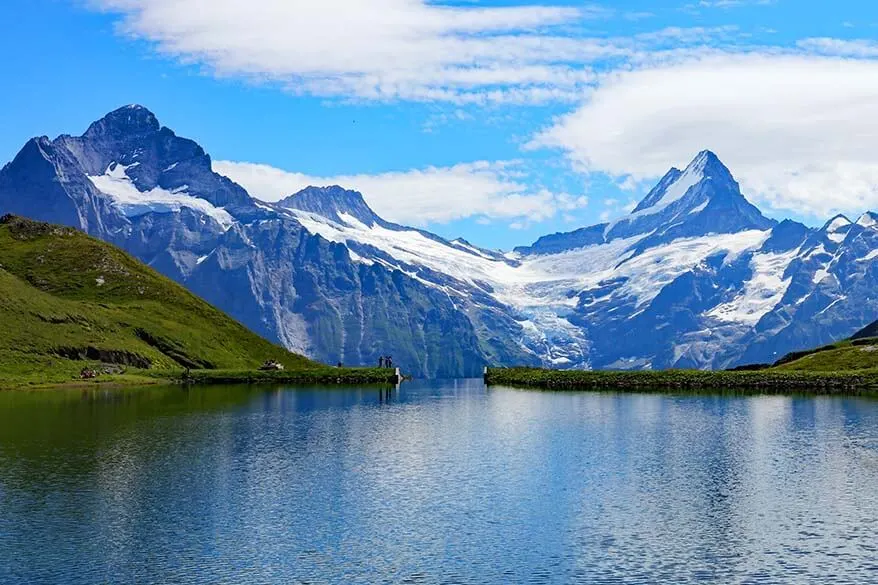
(695, 277)
(534, 281)
(116, 184)
(544, 290)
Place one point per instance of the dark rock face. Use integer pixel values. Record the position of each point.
(265, 270)
(561, 242)
(50, 182)
(694, 277)
(331, 202)
(308, 294)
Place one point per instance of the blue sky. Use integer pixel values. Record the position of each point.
(495, 121)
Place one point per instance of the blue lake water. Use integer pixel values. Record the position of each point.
(439, 482)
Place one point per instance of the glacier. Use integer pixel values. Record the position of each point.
(695, 276)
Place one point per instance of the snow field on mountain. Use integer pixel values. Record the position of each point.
(547, 280)
(761, 293)
(116, 184)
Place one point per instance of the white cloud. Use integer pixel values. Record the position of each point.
(796, 124)
(727, 4)
(417, 197)
(799, 132)
(387, 50)
(841, 47)
(380, 49)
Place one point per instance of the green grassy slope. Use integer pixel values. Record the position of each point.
(849, 366)
(769, 381)
(68, 300)
(848, 355)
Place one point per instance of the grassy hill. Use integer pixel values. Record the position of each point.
(69, 301)
(860, 352)
(845, 367)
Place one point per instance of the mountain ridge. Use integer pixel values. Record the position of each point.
(695, 276)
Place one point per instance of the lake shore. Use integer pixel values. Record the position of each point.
(324, 375)
(771, 381)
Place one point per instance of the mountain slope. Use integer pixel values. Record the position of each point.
(136, 184)
(860, 352)
(67, 299)
(694, 277)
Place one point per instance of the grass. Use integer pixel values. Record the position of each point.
(846, 367)
(848, 355)
(69, 301)
(314, 375)
(767, 381)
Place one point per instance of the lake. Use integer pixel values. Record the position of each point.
(437, 482)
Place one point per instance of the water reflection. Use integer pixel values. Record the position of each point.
(437, 483)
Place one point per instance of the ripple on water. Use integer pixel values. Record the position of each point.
(442, 482)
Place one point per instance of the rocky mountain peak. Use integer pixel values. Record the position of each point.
(703, 198)
(839, 222)
(677, 184)
(709, 164)
(333, 202)
(132, 120)
(868, 220)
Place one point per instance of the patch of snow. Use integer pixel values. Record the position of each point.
(631, 363)
(357, 258)
(411, 247)
(351, 220)
(832, 304)
(693, 175)
(699, 209)
(870, 256)
(761, 293)
(817, 250)
(834, 228)
(867, 220)
(116, 184)
(838, 223)
(820, 275)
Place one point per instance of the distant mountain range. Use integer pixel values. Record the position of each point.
(695, 276)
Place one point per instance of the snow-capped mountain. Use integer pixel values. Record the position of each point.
(695, 276)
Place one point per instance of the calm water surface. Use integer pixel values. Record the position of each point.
(442, 482)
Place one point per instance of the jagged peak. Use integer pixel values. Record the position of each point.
(130, 119)
(868, 220)
(657, 192)
(706, 159)
(838, 222)
(708, 165)
(331, 202)
(676, 183)
(786, 235)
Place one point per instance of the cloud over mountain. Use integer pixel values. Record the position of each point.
(800, 131)
(420, 196)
